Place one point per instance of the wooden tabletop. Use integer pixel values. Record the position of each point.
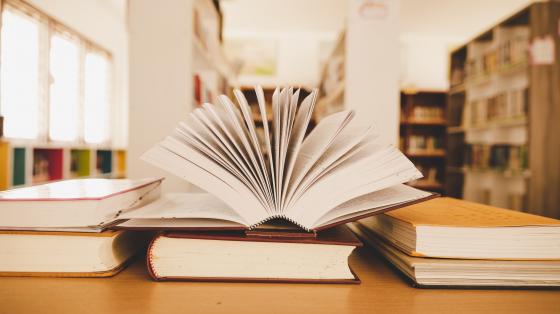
(382, 290)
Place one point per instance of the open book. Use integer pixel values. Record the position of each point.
(338, 172)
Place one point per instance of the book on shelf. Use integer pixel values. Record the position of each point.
(506, 106)
(200, 256)
(445, 272)
(423, 144)
(426, 114)
(452, 228)
(85, 205)
(68, 254)
(337, 173)
(499, 157)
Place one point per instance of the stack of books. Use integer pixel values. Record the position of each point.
(62, 229)
(449, 242)
(272, 214)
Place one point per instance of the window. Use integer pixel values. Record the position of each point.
(96, 102)
(19, 78)
(54, 84)
(64, 90)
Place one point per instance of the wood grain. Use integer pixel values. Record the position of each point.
(382, 290)
(544, 115)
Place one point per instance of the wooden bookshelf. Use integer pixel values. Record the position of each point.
(422, 135)
(503, 107)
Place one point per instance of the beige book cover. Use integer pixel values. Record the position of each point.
(451, 212)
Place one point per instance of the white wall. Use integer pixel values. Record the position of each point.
(160, 79)
(102, 22)
(297, 57)
(425, 61)
(372, 67)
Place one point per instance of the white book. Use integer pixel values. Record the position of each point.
(338, 172)
(84, 205)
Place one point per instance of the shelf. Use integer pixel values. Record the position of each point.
(508, 69)
(425, 122)
(503, 123)
(4, 164)
(47, 164)
(506, 173)
(426, 154)
(455, 129)
(80, 163)
(104, 162)
(257, 118)
(18, 168)
(457, 89)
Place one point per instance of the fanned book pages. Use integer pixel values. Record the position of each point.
(338, 172)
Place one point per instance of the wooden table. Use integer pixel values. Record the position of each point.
(382, 291)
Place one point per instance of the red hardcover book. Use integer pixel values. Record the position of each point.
(240, 257)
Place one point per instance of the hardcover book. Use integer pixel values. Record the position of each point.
(84, 205)
(447, 272)
(68, 254)
(234, 256)
(452, 228)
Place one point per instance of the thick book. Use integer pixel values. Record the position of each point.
(239, 257)
(462, 273)
(68, 254)
(84, 205)
(337, 172)
(451, 228)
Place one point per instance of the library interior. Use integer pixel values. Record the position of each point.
(402, 153)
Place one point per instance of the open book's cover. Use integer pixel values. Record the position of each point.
(334, 236)
(276, 228)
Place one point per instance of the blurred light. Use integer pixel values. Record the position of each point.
(19, 100)
(64, 91)
(96, 100)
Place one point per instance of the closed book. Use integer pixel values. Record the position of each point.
(84, 205)
(240, 257)
(460, 273)
(451, 228)
(68, 254)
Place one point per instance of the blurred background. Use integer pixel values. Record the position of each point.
(467, 89)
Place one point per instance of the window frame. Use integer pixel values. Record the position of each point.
(47, 29)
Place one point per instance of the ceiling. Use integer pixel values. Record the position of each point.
(460, 19)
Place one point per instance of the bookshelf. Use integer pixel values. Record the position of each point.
(24, 163)
(211, 73)
(332, 84)
(422, 135)
(503, 107)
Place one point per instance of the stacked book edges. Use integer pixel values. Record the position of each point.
(62, 229)
(447, 242)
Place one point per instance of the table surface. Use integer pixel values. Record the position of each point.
(382, 290)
